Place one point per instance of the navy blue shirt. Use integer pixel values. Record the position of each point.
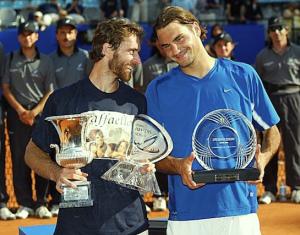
(116, 210)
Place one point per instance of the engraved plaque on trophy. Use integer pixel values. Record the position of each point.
(72, 153)
(224, 143)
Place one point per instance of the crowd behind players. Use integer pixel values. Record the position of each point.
(237, 11)
(69, 63)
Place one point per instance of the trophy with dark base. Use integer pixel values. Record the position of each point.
(72, 154)
(149, 143)
(224, 143)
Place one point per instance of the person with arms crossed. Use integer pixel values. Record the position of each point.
(178, 100)
(278, 65)
(27, 82)
(116, 210)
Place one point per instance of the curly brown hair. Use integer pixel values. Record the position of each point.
(113, 31)
(174, 13)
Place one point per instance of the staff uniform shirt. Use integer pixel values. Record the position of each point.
(70, 69)
(116, 209)
(179, 101)
(155, 66)
(29, 79)
(279, 69)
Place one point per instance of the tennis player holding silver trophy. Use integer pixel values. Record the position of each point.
(73, 154)
(224, 143)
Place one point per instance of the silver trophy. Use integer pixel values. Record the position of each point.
(149, 143)
(224, 143)
(73, 154)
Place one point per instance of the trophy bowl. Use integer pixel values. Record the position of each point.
(72, 153)
(224, 143)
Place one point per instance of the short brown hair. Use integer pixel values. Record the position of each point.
(113, 31)
(178, 14)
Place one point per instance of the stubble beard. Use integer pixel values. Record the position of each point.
(119, 68)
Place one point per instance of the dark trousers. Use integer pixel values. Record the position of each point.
(19, 136)
(288, 109)
(3, 193)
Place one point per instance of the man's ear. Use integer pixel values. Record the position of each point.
(107, 50)
(196, 29)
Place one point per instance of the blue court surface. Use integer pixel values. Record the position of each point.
(37, 230)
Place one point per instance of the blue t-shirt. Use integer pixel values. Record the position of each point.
(116, 210)
(179, 101)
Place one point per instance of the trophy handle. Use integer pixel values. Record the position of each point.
(56, 147)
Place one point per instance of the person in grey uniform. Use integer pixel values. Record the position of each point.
(154, 66)
(27, 82)
(5, 213)
(278, 66)
(70, 64)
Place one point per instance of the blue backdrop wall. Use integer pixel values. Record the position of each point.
(250, 40)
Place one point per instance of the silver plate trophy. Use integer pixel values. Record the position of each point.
(149, 142)
(73, 154)
(224, 143)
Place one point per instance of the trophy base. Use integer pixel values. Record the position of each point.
(226, 175)
(128, 174)
(76, 197)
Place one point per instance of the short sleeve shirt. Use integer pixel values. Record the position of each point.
(70, 69)
(29, 79)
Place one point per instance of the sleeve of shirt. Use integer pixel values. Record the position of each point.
(44, 132)
(264, 113)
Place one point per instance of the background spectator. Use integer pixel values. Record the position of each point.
(186, 4)
(154, 66)
(253, 11)
(37, 17)
(139, 11)
(52, 11)
(235, 11)
(278, 66)
(223, 46)
(75, 11)
(114, 8)
(216, 30)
